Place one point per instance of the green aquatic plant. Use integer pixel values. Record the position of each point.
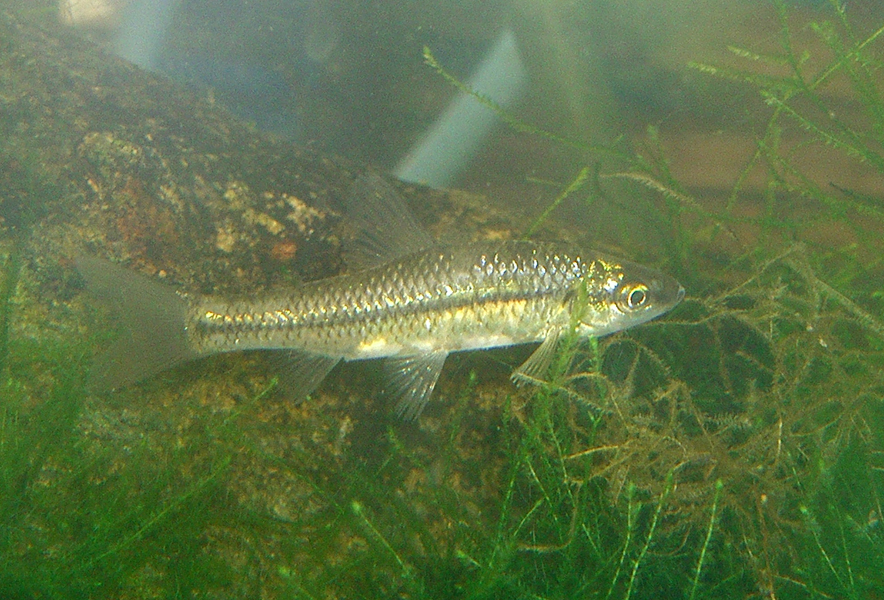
(588, 184)
(772, 382)
(800, 88)
(79, 521)
(789, 382)
(719, 423)
(84, 511)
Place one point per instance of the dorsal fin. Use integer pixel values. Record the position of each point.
(385, 228)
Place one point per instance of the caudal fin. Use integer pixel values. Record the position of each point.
(152, 335)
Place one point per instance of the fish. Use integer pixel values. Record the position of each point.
(407, 299)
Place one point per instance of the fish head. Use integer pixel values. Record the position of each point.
(626, 294)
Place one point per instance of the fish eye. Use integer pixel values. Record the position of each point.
(635, 297)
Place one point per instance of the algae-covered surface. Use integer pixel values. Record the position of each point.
(732, 449)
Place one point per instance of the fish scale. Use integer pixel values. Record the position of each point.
(439, 300)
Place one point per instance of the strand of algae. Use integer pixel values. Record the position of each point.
(575, 185)
(630, 525)
(507, 117)
(778, 92)
(861, 315)
(359, 510)
(159, 516)
(641, 555)
(768, 149)
(718, 487)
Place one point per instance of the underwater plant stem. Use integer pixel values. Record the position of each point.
(492, 560)
(451, 143)
(814, 529)
(573, 187)
(847, 557)
(630, 522)
(511, 120)
(160, 515)
(238, 411)
(864, 317)
(359, 511)
(839, 9)
(596, 358)
(718, 486)
(644, 550)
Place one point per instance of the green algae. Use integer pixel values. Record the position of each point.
(724, 425)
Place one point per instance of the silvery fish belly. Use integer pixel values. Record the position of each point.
(413, 303)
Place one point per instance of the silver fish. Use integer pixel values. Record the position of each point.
(413, 302)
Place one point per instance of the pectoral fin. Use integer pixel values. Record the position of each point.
(412, 379)
(536, 367)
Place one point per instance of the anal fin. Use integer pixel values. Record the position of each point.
(302, 372)
(412, 379)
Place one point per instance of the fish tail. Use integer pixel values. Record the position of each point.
(152, 318)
